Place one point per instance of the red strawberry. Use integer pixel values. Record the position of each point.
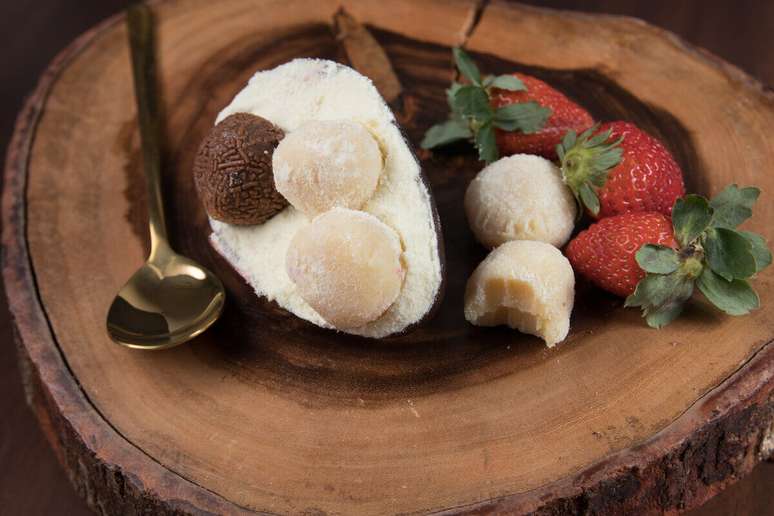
(505, 114)
(566, 115)
(619, 168)
(658, 263)
(605, 252)
(647, 179)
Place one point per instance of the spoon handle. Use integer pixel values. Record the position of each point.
(141, 43)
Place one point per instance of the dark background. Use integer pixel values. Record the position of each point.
(31, 32)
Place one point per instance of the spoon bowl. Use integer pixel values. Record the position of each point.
(165, 303)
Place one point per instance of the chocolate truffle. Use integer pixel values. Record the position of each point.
(233, 172)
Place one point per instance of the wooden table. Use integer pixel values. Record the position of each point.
(32, 483)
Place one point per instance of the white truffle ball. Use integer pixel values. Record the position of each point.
(527, 285)
(324, 164)
(347, 265)
(520, 197)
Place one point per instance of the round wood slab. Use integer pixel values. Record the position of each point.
(267, 413)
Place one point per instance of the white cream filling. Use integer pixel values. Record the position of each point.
(313, 89)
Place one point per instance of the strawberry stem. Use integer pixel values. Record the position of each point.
(715, 257)
(472, 116)
(585, 161)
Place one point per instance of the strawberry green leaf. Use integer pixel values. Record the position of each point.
(559, 152)
(734, 297)
(729, 253)
(568, 141)
(466, 66)
(691, 215)
(658, 259)
(663, 315)
(598, 139)
(485, 143)
(589, 198)
(733, 206)
(661, 297)
(488, 80)
(451, 92)
(445, 133)
(527, 117)
(607, 158)
(654, 290)
(473, 102)
(759, 250)
(508, 82)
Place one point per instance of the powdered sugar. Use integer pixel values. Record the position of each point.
(347, 265)
(520, 197)
(323, 164)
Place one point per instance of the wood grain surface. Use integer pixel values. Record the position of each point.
(307, 371)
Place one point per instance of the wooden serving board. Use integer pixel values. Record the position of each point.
(267, 413)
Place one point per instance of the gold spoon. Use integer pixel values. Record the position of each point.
(170, 299)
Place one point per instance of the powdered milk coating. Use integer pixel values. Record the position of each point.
(324, 164)
(520, 197)
(310, 89)
(346, 265)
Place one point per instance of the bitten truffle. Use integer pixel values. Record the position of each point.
(526, 285)
(233, 171)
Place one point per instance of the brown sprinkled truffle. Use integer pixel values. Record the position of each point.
(233, 172)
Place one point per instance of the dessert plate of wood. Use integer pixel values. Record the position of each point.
(269, 413)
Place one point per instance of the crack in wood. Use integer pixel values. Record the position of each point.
(473, 20)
